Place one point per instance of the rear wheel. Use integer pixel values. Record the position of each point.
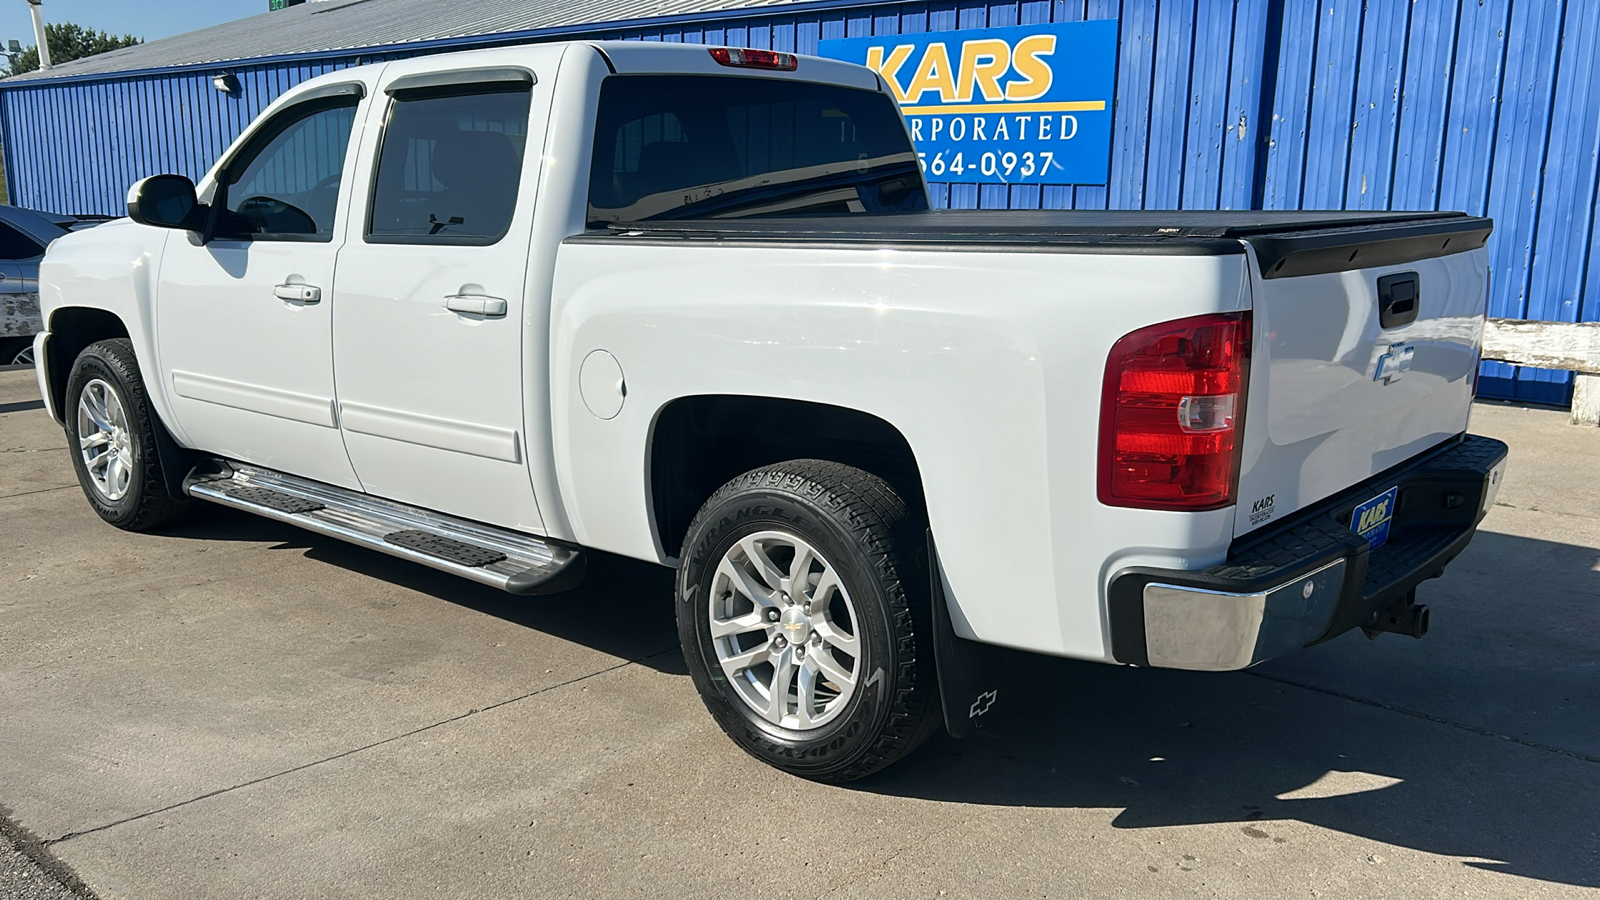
(111, 432)
(803, 617)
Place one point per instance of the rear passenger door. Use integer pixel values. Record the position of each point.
(429, 312)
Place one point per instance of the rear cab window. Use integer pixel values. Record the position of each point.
(450, 166)
(720, 146)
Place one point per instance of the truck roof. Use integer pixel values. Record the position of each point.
(621, 57)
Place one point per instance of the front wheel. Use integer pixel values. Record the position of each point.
(803, 615)
(111, 433)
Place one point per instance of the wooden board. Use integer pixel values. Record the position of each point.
(1574, 346)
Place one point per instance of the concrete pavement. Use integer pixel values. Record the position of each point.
(237, 708)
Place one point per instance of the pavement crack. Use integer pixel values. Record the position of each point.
(852, 878)
(353, 751)
(64, 487)
(1484, 732)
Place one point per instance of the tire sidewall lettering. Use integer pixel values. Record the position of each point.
(852, 732)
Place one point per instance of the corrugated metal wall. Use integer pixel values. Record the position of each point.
(1488, 106)
(77, 148)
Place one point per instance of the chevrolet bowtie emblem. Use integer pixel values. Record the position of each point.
(1394, 363)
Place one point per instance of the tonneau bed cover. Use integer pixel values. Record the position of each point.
(1286, 242)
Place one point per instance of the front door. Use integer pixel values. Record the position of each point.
(428, 307)
(243, 323)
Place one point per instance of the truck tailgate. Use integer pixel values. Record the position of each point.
(1366, 348)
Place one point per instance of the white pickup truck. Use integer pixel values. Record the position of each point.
(487, 310)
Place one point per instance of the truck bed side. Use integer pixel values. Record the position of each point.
(989, 364)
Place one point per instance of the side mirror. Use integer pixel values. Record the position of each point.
(165, 201)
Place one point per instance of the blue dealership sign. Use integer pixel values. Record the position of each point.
(1030, 104)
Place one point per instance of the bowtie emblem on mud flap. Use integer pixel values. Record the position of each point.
(1394, 363)
(984, 702)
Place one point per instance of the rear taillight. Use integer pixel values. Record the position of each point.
(1171, 412)
(755, 59)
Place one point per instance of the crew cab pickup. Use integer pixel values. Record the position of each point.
(489, 311)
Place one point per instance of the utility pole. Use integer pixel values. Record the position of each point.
(37, 8)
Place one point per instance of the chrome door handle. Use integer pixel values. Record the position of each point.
(472, 304)
(298, 293)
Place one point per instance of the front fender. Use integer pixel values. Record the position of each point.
(112, 269)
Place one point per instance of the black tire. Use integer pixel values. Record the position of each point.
(876, 546)
(147, 504)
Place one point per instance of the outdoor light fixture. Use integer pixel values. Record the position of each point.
(226, 83)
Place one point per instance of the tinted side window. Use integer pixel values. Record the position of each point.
(689, 146)
(285, 186)
(16, 245)
(449, 167)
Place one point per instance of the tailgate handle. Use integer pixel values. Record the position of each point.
(1399, 298)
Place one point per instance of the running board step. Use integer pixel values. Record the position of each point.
(514, 562)
(274, 500)
(442, 547)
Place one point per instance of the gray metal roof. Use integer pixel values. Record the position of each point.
(330, 25)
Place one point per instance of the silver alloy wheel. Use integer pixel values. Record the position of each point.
(104, 441)
(785, 630)
(25, 358)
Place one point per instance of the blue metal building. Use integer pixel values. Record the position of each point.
(1487, 106)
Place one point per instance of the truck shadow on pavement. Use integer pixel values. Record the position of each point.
(636, 623)
(1481, 741)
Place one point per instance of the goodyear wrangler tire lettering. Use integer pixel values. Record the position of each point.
(805, 624)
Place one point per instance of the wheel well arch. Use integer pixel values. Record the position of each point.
(699, 443)
(72, 329)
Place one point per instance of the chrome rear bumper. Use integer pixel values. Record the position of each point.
(1310, 578)
(1216, 631)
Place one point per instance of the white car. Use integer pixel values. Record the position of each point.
(488, 310)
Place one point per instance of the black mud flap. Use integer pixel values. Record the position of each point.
(176, 462)
(969, 672)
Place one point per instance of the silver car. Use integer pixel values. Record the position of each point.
(24, 234)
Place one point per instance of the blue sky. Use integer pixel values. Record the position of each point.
(149, 19)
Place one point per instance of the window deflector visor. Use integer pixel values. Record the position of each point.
(508, 76)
